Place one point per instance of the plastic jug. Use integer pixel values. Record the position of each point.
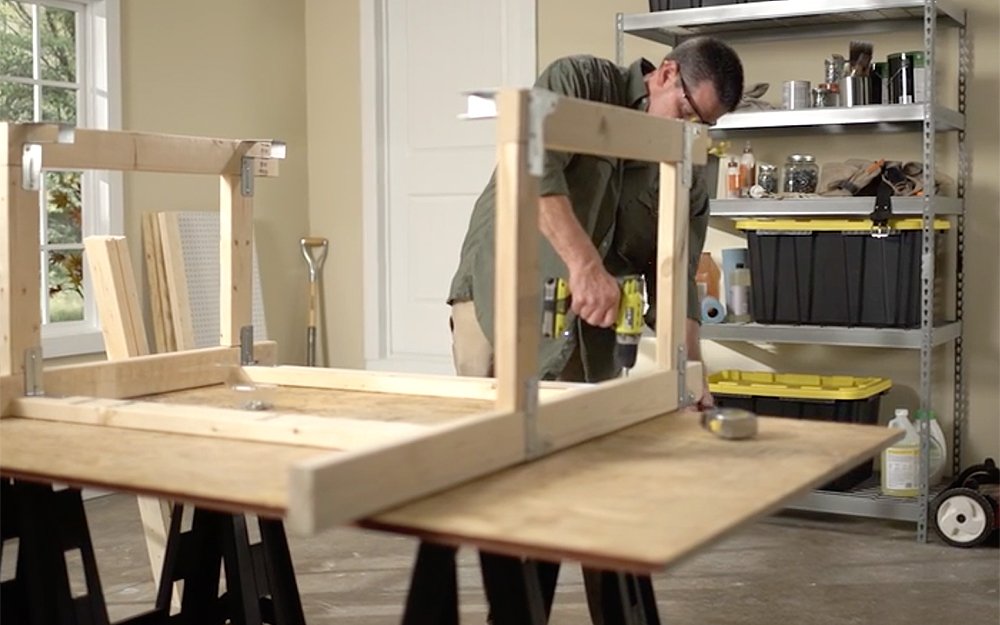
(901, 462)
(939, 451)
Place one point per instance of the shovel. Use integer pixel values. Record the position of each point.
(315, 267)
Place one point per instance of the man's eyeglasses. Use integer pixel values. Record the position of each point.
(697, 117)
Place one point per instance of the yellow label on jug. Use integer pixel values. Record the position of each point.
(901, 471)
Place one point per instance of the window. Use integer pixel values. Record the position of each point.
(59, 62)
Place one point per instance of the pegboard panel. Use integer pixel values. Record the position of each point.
(199, 233)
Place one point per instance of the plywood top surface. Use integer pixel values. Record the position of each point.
(219, 473)
(642, 498)
(340, 403)
(639, 499)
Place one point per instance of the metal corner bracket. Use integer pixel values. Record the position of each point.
(684, 398)
(33, 372)
(533, 446)
(246, 346)
(541, 103)
(246, 175)
(692, 132)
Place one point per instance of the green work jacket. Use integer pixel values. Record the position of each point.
(615, 200)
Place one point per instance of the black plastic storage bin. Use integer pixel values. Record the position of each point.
(670, 5)
(838, 272)
(843, 399)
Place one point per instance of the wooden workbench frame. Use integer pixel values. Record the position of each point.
(374, 467)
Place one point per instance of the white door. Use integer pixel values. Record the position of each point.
(424, 166)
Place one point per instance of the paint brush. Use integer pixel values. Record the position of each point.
(860, 58)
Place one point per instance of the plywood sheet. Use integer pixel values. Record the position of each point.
(642, 498)
(216, 473)
(339, 403)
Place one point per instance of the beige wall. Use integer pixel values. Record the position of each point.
(232, 69)
(334, 119)
(587, 26)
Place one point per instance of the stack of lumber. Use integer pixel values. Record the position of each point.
(181, 250)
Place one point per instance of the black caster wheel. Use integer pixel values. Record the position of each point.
(963, 517)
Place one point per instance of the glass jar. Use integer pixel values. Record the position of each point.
(767, 178)
(801, 174)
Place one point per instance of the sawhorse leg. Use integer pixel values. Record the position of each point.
(260, 579)
(620, 598)
(48, 524)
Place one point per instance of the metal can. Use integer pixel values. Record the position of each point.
(795, 94)
(907, 78)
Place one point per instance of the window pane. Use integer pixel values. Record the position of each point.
(17, 102)
(65, 211)
(65, 285)
(57, 34)
(15, 39)
(59, 105)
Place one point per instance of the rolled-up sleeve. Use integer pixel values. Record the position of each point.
(565, 76)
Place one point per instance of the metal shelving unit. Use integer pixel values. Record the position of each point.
(799, 19)
(827, 207)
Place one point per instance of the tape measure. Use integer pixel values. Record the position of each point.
(730, 423)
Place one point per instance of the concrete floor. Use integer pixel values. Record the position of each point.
(816, 570)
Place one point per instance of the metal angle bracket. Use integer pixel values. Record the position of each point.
(31, 167)
(31, 154)
(533, 446)
(246, 346)
(33, 372)
(481, 104)
(691, 134)
(246, 175)
(262, 149)
(541, 103)
(684, 398)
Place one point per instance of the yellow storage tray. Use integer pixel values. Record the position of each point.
(833, 225)
(796, 385)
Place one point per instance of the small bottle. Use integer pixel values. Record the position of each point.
(739, 295)
(707, 277)
(733, 179)
(748, 170)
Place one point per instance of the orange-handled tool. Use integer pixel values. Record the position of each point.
(315, 267)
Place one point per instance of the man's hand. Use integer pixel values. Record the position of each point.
(595, 294)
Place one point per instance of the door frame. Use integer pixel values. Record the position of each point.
(518, 26)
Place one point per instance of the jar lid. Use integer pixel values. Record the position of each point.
(766, 167)
(802, 158)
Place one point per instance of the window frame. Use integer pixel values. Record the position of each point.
(99, 107)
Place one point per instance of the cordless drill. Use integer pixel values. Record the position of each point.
(628, 325)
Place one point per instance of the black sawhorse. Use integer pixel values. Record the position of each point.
(518, 591)
(260, 580)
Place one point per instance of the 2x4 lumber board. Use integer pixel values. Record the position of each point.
(328, 491)
(582, 127)
(229, 423)
(145, 375)
(643, 498)
(175, 276)
(20, 271)
(228, 475)
(582, 414)
(116, 296)
(391, 382)
(672, 267)
(159, 307)
(518, 291)
(152, 152)
(235, 261)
